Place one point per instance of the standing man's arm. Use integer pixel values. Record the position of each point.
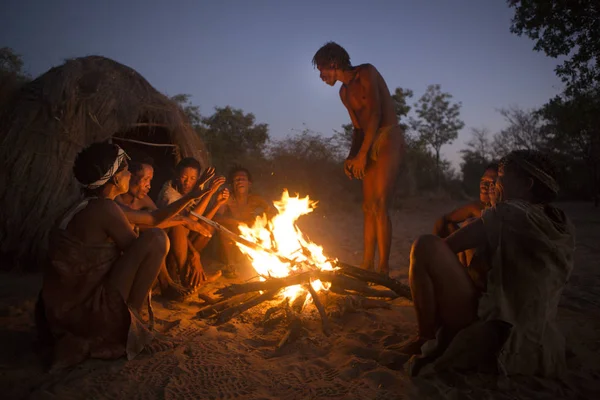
(357, 133)
(372, 106)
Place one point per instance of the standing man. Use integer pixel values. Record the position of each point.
(377, 143)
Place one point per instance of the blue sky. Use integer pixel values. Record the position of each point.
(256, 55)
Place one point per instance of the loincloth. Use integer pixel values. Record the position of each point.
(380, 138)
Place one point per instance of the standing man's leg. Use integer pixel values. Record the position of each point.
(381, 177)
(370, 227)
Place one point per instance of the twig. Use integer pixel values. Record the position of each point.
(321, 309)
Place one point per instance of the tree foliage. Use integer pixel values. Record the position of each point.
(438, 120)
(522, 132)
(568, 28)
(478, 154)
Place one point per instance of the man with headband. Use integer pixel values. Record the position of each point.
(99, 271)
(504, 318)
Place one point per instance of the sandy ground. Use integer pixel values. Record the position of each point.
(239, 360)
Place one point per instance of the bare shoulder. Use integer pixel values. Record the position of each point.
(148, 204)
(109, 208)
(367, 71)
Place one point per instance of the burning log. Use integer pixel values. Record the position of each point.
(290, 265)
(229, 313)
(212, 309)
(367, 276)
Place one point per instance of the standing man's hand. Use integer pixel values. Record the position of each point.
(356, 166)
(348, 168)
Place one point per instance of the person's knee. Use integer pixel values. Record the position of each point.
(157, 240)
(425, 246)
(377, 206)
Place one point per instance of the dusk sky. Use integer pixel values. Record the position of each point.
(256, 55)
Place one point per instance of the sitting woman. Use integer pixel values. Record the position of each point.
(183, 261)
(509, 323)
(99, 271)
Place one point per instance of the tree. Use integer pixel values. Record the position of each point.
(572, 127)
(523, 132)
(11, 62)
(475, 158)
(563, 28)
(192, 111)
(401, 106)
(438, 120)
(231, 134)
(12, 76)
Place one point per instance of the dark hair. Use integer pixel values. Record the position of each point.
(491, 166)
(332, 53)
(541, 192)
(235, 169)
(188, 162)
(137, 165)
(92, 162)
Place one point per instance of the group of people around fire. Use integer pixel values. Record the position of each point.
(493, 269)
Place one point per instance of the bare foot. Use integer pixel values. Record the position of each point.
(410, 346)
(213, 277)
(175, 291)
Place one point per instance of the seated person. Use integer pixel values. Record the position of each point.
(137, 199)
(461, 216)
(183, 261)
(99, 270)
(529, 255)
(452, 221)
(241, 208)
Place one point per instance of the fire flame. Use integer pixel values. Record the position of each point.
(282, 237)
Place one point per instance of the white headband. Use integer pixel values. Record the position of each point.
(111, 171)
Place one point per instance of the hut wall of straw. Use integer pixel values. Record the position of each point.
(51, 119)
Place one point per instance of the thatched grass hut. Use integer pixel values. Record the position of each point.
(85, 100)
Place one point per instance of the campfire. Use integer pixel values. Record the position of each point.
(293, 270)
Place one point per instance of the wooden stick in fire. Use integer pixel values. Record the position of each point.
(355, 272)
(238, 238)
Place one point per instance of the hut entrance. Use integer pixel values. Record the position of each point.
(151, 140)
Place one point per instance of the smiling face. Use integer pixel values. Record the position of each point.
(187, 179)
(140, 183)
(486, 185)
